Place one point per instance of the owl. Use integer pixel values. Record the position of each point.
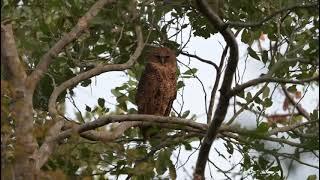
(157, 86)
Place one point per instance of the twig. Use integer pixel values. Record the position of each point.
(200, 59)
(292, 101)
(247, 103)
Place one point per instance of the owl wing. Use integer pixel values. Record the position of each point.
(147, 88)
(172, 93)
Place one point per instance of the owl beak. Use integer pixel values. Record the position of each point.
(162, 59)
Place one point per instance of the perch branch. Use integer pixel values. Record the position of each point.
(125, 118)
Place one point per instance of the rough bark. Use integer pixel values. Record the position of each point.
(21, 107)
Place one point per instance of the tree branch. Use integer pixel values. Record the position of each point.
(216, 84)
(267, 18)
(96, 71)
(128, 121)
(267, 78)
(112, 135)
(75, 32)
(223, 104)
(41, 156)
(10, 60)
(133, 117)
(290, 127)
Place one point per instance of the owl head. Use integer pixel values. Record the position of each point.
(163, 56)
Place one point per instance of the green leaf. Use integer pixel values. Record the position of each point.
(312, 177)
(241, 94)
(257, 100)
(191, 71)
(184, 26)
(185, 114)
(245, 37)
(88, 108)
(259, 108)
(264, 56)
(123, 106)
(172, 171)
(314, 115)
(116, 93)
(180, 84)
(267, 102)
(266, 92)
(249, 96)
(162, 162)
(263, 162)
(122, 99)
(187, 146)
(86, 83)
(229, 147)
(252, 53)
(263, 127)
(101, 102)
(246, 161)
(99, 49)
(292, 88)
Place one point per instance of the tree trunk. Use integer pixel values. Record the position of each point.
(26, 145)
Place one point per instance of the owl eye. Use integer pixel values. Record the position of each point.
(157, 56)
(161, 56)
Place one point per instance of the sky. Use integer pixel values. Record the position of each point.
(209, 49)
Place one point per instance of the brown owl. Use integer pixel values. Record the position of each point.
(157, 86)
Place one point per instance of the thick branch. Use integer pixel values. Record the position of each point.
(75, 32)
(272, 15)
(115, 133)
(41, 156)
(216, 84)
(125, 118)
(10, 58)
(128, 121)
(223, 104)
